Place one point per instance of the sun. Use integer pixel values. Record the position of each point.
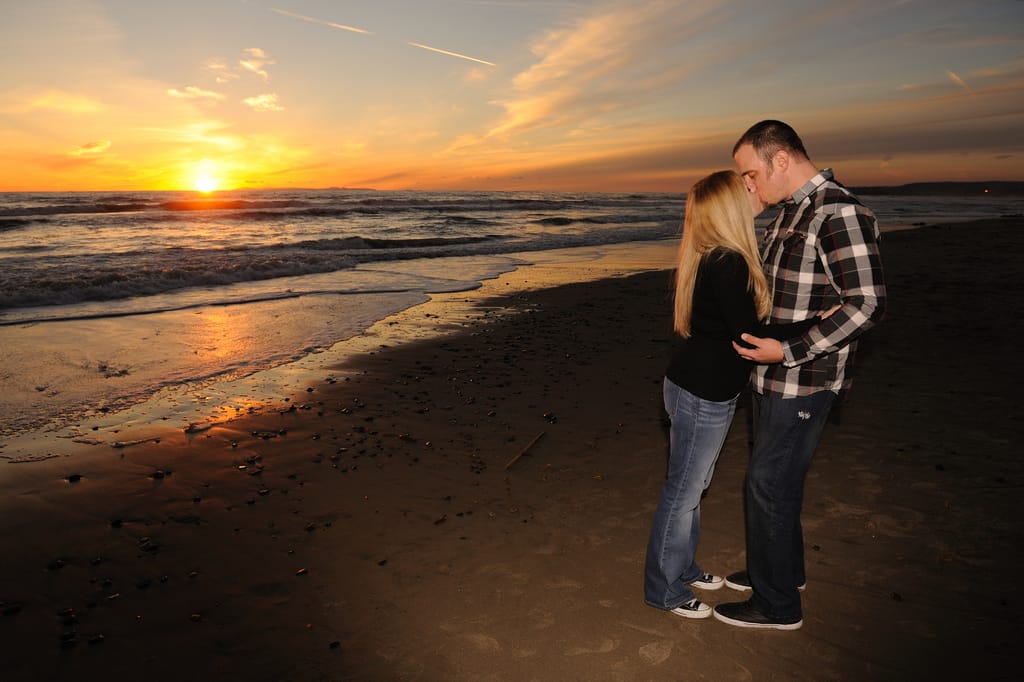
(206, 184)
(206, 176)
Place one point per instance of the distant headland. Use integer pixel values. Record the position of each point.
(947, 189)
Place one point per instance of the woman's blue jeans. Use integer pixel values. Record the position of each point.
(786, 433)
(699, 428)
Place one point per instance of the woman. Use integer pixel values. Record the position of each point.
(720, 293)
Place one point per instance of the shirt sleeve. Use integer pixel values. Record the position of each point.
(848, 252)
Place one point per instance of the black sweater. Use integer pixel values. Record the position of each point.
(706, 364)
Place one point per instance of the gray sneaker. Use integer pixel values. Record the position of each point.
(741, 581)
(692, 609)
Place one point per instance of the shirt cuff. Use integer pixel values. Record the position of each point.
(793, 349)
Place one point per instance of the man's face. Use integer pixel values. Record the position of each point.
(761, 178)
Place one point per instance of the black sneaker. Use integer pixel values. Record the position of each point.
(743, 614)
(706, 581)
(692, 609)
(741, 581)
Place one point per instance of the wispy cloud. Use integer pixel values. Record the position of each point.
(958, 81)
(265, 102)
(220, 70)
(59, 100)
(254, 61)
(313, 20)
(91, 148)
(202, 132)
(612, 59)
(192, 92)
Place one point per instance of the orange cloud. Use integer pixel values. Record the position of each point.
(605, 62)
(57, 100)
(91, 148)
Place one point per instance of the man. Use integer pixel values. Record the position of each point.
(821, 251)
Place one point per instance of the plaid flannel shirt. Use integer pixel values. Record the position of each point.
(821, 250)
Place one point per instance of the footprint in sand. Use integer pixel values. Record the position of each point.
(605, 646)
(562, 582)
(483, 643)
(656, 652)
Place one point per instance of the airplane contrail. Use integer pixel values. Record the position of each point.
(451, 54)
(343, 27)
(312, 20)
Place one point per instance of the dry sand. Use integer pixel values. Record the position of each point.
(383, 526)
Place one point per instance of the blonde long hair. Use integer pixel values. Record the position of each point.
(718, 216)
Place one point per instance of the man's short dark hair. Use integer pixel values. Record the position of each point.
(768, 137)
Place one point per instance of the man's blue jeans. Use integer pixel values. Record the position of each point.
(786, 433)
(699, 428)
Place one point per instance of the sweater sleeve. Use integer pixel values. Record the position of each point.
(791, 330)
(728, 275)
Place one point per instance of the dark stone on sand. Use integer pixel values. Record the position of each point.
(147, 545)
(74, 478)
(335, 644)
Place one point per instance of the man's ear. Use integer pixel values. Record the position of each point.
(781, 160)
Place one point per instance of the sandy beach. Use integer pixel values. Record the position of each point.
(473, 504)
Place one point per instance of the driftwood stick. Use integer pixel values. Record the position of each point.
(523, 451)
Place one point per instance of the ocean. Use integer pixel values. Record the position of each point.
(109, 298)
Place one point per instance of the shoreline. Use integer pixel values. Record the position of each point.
(199, 404)
(473, 504)
(116, 388)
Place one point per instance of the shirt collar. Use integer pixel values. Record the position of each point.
(810, 187)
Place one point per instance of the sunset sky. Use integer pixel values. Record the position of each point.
(619, 95)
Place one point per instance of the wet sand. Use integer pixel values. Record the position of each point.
(474, 504)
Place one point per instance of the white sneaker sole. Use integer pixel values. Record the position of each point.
(708, 586)
(746, 588)
(759, 626)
